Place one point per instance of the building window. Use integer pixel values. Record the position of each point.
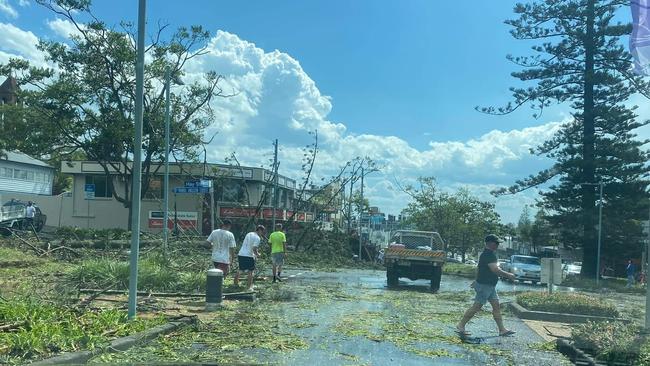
(20, 174)
(233, 192)
(6, 172)
(155, 189)
(103, 185)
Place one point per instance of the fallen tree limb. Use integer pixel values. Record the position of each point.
(159, 294)
(34, 248)
(12, 326)
(50, 251)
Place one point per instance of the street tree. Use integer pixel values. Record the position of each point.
(461, 219)
(580, 62)
(85, 101)
(525, 225)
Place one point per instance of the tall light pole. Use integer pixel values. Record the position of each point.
(647, 288)
(137, 163)
(600, 229)
(600, 225)
(168, 74)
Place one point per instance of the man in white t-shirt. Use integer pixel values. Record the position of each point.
(248, 254)
(30, 212)
(223, 247)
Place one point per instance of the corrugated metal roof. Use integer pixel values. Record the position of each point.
(18, 157)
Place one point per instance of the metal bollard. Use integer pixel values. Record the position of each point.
(213, 289)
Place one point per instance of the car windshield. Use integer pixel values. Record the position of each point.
(526, 260)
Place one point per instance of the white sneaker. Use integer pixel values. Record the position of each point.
(252, 288)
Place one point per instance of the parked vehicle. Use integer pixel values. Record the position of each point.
(12, 216)
(415, 255)
(525, 268)
(471, 262)
(572, 269)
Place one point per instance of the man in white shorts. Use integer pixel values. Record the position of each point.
(248, 255)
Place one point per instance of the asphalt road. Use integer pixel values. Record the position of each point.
(369, 295)
(347, 317)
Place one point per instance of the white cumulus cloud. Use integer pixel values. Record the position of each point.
(276, 98)
(8, 10)
(63, 28)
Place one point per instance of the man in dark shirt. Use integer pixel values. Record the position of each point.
(487, 277)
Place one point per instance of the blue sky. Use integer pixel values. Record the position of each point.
(414, 69)
(396, 80)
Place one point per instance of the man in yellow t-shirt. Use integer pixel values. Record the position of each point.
(278, 249)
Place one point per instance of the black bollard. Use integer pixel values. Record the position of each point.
(213, 289)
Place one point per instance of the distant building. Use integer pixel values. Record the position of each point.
(8, 91)
(239, 192)
(20, 173)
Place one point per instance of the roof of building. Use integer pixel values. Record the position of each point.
(10, 85)
(18, 157)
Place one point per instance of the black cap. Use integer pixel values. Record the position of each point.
(492, 239)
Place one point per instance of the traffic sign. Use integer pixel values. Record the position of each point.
(198, 183)
(89, 191)
(192, 190)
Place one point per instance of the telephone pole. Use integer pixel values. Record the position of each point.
(275, 180)
(363, 206)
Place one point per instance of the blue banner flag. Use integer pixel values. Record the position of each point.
(640, 37)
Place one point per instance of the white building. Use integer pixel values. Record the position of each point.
(20, 173)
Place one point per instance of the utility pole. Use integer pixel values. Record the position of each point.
(600, 230)
(647, 288)
(361, 214)
(168, 74)
(275, 180)
(350, 203)
(137, 163)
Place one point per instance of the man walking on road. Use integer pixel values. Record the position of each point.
(223, 247)
(248, 254)
(278, 249)
(487, 276)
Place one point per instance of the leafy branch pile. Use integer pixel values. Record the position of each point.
(223, 339)
(566, 303)
(612, 342)
(39, 329)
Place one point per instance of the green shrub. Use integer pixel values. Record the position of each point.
(154, 274)
(609, 341)
(75, 233)
(459, 269)
(570, 303)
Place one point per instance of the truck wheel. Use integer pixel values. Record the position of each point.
(436, 278)
(391, 277)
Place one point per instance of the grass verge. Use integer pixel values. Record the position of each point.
(43, 329)
(567, 303)
(615, 284)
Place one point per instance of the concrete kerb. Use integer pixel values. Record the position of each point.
(117, 345)
(524, 313)
(574, 354)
